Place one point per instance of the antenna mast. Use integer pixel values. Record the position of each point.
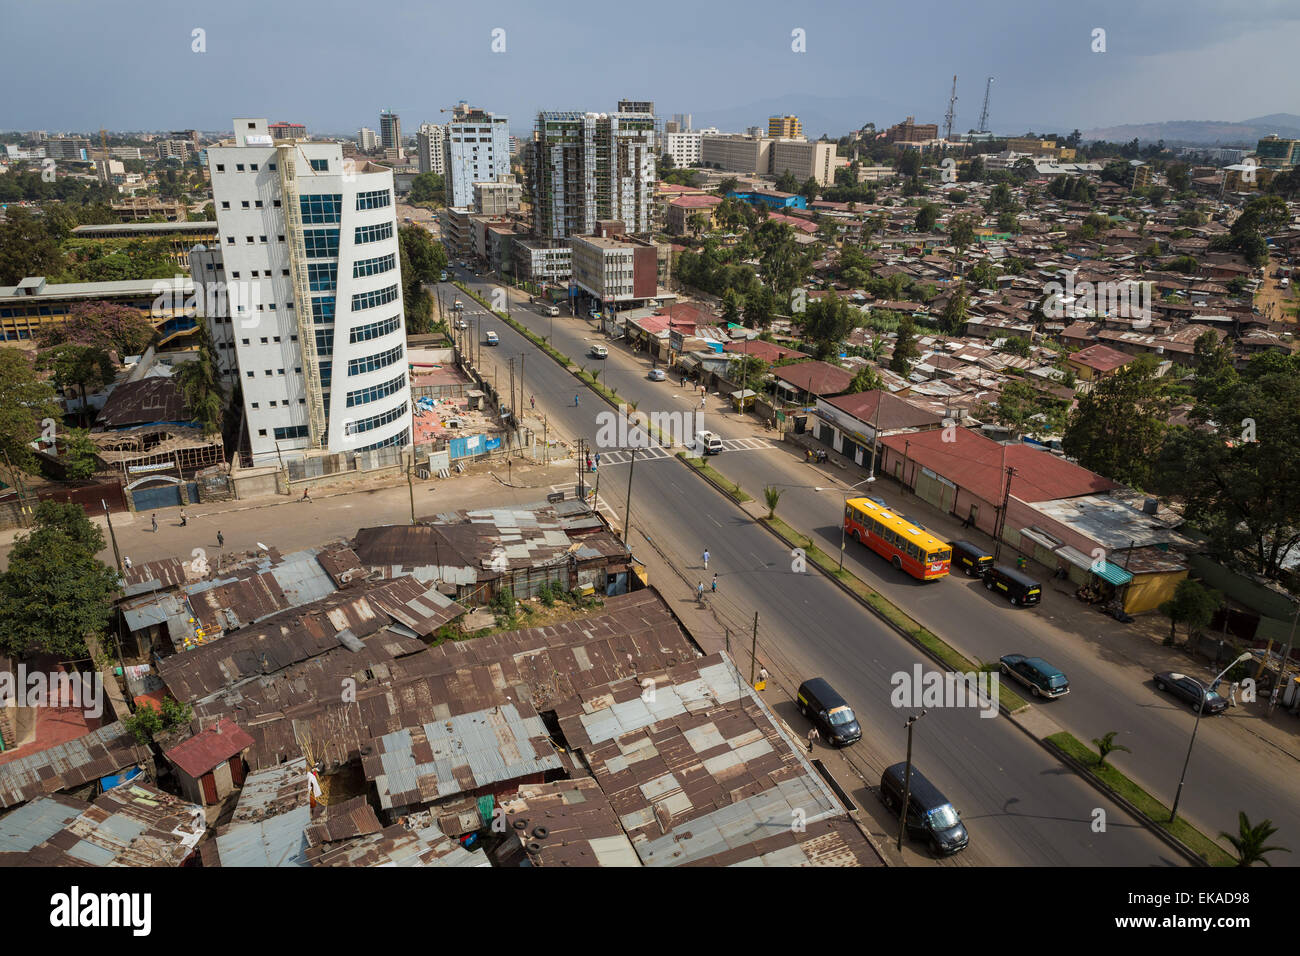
(952, 110)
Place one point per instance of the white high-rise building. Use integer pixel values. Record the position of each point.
(685, 148)
(367, 140)
(430, 139)
(476, 150)
(309, 255)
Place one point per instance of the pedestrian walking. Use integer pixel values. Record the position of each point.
(1232, 692)
(221, 540)
(126, 560)
(575, 401)
(532, 401)
(699, 592)
(155, 523)
(706, 559)
(812, 736)
(966, 522)
(715, 584)
(701, 401)
(306, 494)
(184, 519)
(597, 460)
(762, 675)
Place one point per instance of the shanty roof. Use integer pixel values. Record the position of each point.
(131, 825)
(97, 754)
(819, 378)
(144, 402)
(541, 666)
(37, 821)
(579, 825)
(459, 754)
(342, 821)
(894, 412)
(698, 768)
(209, 748)
(418, 842)
(268, 825)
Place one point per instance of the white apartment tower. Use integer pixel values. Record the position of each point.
(431, 145)
(309, 251)
(476, 150)
(367, 140)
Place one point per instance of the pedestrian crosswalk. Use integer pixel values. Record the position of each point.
(654, 452)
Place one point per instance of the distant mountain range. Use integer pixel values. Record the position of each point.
(1203, 132)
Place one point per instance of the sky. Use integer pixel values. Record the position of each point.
(78, 65)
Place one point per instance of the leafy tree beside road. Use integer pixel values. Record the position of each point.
(25, 402)
(1117, 428)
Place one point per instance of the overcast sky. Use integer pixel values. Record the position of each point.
(83, 64)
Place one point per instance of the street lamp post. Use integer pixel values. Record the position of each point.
(907, 780)
(1196, 726)
(1281, 668)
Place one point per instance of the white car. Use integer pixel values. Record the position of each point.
(492, 339)
(599, 351)
(462, 324)
(658, 375)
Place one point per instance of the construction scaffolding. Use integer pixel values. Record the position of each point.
(316, 425)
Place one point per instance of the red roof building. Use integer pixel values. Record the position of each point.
(210, 765)
(819, 379)
(767, 351)
(1097, 361)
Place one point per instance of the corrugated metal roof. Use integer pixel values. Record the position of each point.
(462, 753)
(400, 845)
(580, 828)
(269, 822)
(98, 754)
(34, 822)
(131, 825)
(209, 748)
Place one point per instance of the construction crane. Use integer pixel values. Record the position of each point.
(952, 110)
(984, 113)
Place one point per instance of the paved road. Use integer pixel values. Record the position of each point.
(1023, 807)
(1232, 769)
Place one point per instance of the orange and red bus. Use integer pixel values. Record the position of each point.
(904, 544)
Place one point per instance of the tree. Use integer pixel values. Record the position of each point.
(84, 367)
(809, 189)
(200, 385)
(26, 247)
(827, 323)
(210, 213)
(746, 369)
(147, 723)
(772, 496)
(731, 303)
(904, 347)
(866, 379)
(79, 454)
(1237, 468)
(1016, 345)
(426, 258)
(101, 325)
(926, 217)
(961, 232)
(759, 306)
(786, 183)
(953, 317)
(1106, 746)
(1118, 427)
(26, 405)
(728, 186)
(697, 223)
(427, 187)
(1250, 841)
(1193, 604)
(70, 520)
(909, 164)
(783, 265)
(55, 593)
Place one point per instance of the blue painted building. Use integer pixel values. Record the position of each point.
(772, 199)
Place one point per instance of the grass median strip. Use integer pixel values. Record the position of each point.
(523, 330)
(889, 611)
(733, 490)
(1151, 808)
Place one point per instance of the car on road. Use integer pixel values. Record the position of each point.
(462, 323)
(829, 712)
(598, 351)
(1020, 589)
(657, 375)
(458, 306)
(1190, 691)
(930, 815)
(492, 338)
(971, 558)
(552, 310)
(1036, 674)
(443, 276)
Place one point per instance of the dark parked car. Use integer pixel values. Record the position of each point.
(1036, 674)
(929, 814)
(1190, 690)
(830, 712)
(971, 558)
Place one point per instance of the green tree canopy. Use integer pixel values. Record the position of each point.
(905, 350)
(55, 593)
(26, 247)
(827, 322)
(101, 325)
(1117, 428)
(26, 402)
(83, 367)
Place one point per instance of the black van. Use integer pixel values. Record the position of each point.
(929, 814)
(1020, 589)
(971, 558)
(829, 712)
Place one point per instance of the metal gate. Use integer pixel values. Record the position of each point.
(164, 496)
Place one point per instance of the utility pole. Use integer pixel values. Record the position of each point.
(1002, 514)
(582, 463)
(627, 512)
(410, 485)
(1281, 671)
(907, 780)
(514, 418)
(116, 554)
(753, 651)
(952, 111)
